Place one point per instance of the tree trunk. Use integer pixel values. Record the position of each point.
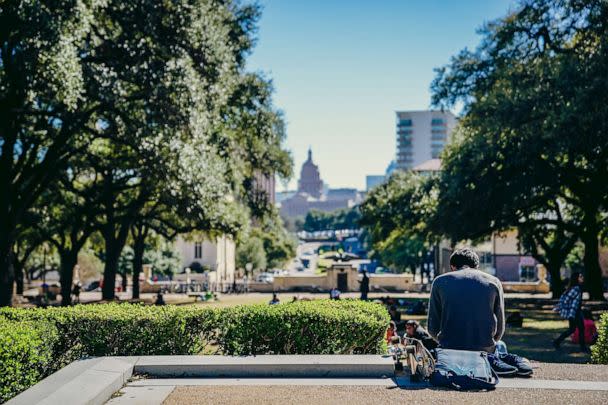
(557, 285)
(593, 271)
(138, 260)
(7, 275)
(124, 281)
(18, 277)
(68, 262)
(110, 270)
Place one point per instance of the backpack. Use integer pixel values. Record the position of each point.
(463, 370)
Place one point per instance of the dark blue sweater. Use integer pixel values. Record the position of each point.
(466, 310)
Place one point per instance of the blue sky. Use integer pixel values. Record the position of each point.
(341, 68)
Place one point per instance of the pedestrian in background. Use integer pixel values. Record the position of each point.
(569, 307)
(364, 288)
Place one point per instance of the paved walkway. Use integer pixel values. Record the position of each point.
(551, 384)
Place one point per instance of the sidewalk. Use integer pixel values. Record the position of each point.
(551, 384)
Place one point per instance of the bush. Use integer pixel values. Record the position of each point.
(123, 329)
(306, 327)
(599, 351)
(26, 355)
(37, 342)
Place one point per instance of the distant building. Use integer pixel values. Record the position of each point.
(343, 194)
(281, 196)
(313, 194)
(310, 179)
(372, 181)
(422, 135)
(215, 255)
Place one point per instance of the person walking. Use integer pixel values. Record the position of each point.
(569, 307)
(364, 288)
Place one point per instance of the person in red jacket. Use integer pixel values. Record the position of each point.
(590, 331)
(391, 331)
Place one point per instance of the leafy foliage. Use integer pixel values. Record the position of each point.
(599, 351)
(314, 327)
(396, 216)
(532, 138)
(140, 114)
(26, 354)
(340, 219)
(36, 342)
(251, 250)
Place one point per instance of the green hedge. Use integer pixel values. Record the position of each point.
(309, 327)
(26, 355)
(599, 351)
(123, 329)
(37, 342)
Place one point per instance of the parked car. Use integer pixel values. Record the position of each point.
(264, 278)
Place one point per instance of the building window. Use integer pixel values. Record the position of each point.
(198, 250)
(437, 121)
(527, 274)
(405, 123)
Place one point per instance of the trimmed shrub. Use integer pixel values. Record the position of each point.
(26, 355)
(124, 329)
(307, 327)
(37, 342)
(599, 351)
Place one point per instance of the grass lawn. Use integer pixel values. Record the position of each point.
(542, 325)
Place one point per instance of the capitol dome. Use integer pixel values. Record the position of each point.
(310, 179)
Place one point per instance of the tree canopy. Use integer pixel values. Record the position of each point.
(140, 111)
(532, 140)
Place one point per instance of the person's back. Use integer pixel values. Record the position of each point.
(466, 309)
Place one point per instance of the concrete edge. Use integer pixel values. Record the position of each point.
(277, 366)
(87, 382)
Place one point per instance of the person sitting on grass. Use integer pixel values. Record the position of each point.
(275, 299)
(391, 331)
(160, 300)
(467, 312)
(415, 331)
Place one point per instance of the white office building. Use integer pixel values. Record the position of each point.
(421, 136)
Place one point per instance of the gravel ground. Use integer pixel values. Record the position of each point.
(353, 395)
(576, 372)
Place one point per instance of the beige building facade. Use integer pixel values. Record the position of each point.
(218, 255)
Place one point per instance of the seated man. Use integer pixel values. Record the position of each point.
(415, 331)
(466, 312)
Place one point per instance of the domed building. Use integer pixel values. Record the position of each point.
(310, 179)
(310, 194)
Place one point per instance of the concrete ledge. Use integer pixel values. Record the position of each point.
(267, 366)
(86, 382)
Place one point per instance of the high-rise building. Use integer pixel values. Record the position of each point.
(421, 136)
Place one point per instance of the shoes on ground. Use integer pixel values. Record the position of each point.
(524, 369)
(501, 368)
